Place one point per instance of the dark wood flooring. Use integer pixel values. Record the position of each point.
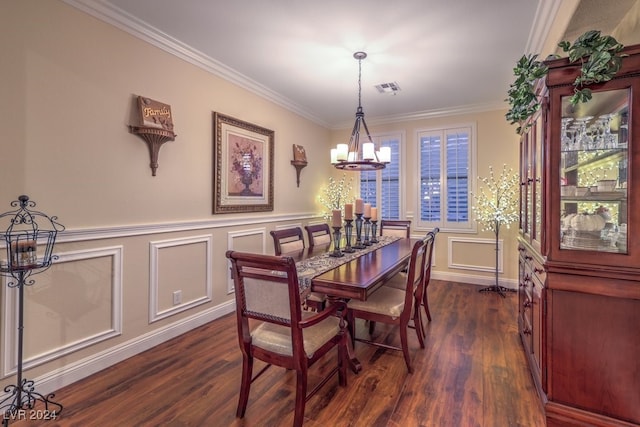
(472, 372)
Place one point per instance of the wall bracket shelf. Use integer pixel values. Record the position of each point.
(154, 137)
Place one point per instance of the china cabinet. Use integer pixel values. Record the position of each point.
(579, 265)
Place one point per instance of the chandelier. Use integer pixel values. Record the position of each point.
(350, 156)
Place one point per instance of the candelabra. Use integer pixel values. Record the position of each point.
(29, 240)
(348, 227)
(374, 231)
(336, 243)
(359, 244)
(367, 230)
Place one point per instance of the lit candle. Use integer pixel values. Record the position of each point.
(359, 206)
(341, 152)
(374, 213)
(385, 154)
(367, 210)
(348, 211)
(336, 220)
(368, 151)
(334, 156)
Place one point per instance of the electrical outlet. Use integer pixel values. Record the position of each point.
(177, 297)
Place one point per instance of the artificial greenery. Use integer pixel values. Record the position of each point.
(522, 97)
(601, 60)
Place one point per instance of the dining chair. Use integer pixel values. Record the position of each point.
(318, 234)
(273, 328)
(420, 293)
(291, 240)
(394, 227)
(392, 306)
(287, 240)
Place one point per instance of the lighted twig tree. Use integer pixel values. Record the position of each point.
(496, 205)
(335, 195)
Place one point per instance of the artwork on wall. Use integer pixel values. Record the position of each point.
(243, 166)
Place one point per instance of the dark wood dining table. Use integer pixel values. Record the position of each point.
(361, 276)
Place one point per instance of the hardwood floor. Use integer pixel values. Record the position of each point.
(472, 373)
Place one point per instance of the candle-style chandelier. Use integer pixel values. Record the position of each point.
(350, 156)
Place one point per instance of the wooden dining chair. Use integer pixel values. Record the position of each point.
(420, 293)
(287, 240)
(394, 227)
(291, 240)
(318, 234)
(272, 326)
(392, 306)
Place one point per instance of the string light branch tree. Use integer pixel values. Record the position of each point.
(495, 206)
(335, 195)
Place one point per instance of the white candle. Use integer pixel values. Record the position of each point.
(336, 220)
(367, 210)
(374, 213)
(341, 152)
(385, 154)
(368, 151)
(359, 206)
(348, 211)
(334, 156)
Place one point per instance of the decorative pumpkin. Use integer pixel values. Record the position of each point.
(566, 221)
(587, 222)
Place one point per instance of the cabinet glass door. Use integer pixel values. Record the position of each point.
(593, 173)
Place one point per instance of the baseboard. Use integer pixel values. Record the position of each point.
(474, 279)
(55, 380)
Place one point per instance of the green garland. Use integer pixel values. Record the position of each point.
(600, 58)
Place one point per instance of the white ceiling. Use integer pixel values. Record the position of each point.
(446, 55)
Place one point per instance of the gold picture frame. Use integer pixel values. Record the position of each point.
(243, 166)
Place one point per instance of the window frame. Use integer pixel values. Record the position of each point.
(469, 226)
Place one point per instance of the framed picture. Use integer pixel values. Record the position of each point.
(243, 166)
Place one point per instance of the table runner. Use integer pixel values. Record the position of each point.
(316, 265)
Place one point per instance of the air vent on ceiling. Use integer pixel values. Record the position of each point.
(391, 88)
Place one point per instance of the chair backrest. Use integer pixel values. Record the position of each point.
(287, 240)
(393, 227)
(266, 289)
(318, 234)
(430, 240)
(415, 271)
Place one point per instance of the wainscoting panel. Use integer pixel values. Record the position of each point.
(245, 241)
(180, 275)
(74, 304)
(474, 254)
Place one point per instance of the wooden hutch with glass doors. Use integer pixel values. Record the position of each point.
(579, 265)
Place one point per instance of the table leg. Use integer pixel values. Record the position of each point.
(354, 363)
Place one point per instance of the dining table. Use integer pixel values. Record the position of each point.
(355, 277)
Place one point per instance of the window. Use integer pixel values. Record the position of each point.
(382, 188)
(446, 157)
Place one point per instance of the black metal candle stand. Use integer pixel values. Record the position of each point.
(374, 231)
(348, 228)
(367, 230)
(29, 240)
(359, 244)
(336, 243)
